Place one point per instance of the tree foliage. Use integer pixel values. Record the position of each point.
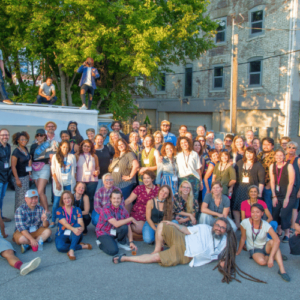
(126, 38)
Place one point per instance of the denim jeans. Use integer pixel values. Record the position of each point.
(267, 196)
(90, 191)
(41, 100)
(56, 202)
(148, 233)
(95, 217)
(126, 191)
(64, 243)
(3, 187)
(2, 87)
(109, 245)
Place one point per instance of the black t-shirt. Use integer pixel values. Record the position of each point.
(104, 157)
(32, 149)
(4, 158)
(22, 162)
(298, 219)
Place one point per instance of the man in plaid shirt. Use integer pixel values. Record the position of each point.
(31, 223)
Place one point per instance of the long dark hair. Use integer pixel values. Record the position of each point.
(168, 204)
(77, 138)
(59, 155)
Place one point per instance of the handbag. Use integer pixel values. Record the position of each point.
(113, 165)
(37, 166)
(294, 243)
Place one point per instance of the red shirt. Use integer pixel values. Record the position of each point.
(245, 206)
(110, 212)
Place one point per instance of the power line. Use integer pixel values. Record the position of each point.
(229, 66)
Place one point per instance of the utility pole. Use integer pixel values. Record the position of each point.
(234, 80)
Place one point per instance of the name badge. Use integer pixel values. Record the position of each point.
(88, 173)
(113, 232)
(28, 169)
(277, 188)
(146, 161)
(174, 178)
(32, 229)
(6, 165)
(67, 232)
(116, 169)
(64, 176)
(245, 180)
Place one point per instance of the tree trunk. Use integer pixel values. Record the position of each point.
(62, 85)
(69, 85)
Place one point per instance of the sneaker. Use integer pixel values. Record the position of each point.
(83, 107)
(7, 101)
(24, 248)
(98, 242)
(48, 240)
(30, 266)
(284, 276)
(285, 239)
(125, 247)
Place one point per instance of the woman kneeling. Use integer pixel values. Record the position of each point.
(114, 226)
(70, 226)
(254, 230)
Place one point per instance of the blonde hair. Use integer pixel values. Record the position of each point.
(110, 135)
(190, 199)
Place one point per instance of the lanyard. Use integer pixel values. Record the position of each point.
(69, 220)
(186, 161)
(255, 234)
(246, 172)
(218, 244)
(278, 177)
(147, 154)
(87, 162)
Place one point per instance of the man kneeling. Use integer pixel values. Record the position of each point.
(31, 223)
(196, 245)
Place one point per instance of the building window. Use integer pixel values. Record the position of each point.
(218, 78)
(255, 73)
(162, 82)
(188, 80)
(257, 22)
(221, 31)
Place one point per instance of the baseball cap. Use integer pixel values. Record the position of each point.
(31, 193)
(72, 122)
(40, 131)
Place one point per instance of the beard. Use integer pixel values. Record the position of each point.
(215, 235)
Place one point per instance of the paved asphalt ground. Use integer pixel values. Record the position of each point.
(94, 276)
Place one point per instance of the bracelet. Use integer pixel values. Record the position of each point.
(130, 242)
(274, 196)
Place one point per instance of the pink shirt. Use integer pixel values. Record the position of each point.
(245, 206)
(85, 169)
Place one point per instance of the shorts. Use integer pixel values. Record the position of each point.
(175, 254)
(35, 234)
(5, 245)
(296, 204)
(44, 173)
(88, 89)
(258, 250)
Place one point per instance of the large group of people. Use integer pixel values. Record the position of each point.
(192, 194)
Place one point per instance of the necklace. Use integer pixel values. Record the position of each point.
(160, 201)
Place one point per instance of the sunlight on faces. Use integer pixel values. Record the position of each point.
(253, 193)
(114, 137)
(284, 143)
(185, 189)
(147, 141)
(291, 150)
(216, 190)
(201, 130)
(279, 157)
(4, 136)
(210, 138)
(116, 127)
(197, 147)
(50, 127)
(108, 181)
(135, 125)
(163, 193)
(32, 202)
(224, 158)
(249, 156)
(80, 188)
(218, 146)
(256, 144)
(103, 131)
(239, 143)
(189, 135)
(215, 157)
(142, 132)
(115, 199)
(67, 200)
(64, 148)
(99, 140)
(121, 146)
(72, 127)
(256, 213)
(65, 137)
(182, 131)
(267, 147)
(86, 148)
(157, 139)
(22, 141)
(90, 135)
(134, 138)
(219, 229)
(169, 150)
(249, 136)
(184, 145)
(49, 81)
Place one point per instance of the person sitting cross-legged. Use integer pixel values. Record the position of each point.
(254, 231)
(114, 226)
(7, 251)
(31, 223)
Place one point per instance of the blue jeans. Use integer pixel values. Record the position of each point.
(90, 192)
(267, 196)
(64, 243)
(148, 233)
(2, 87)
(41, 100)
(56, 202)
(126, 191)
(95, 217)
(3, 187)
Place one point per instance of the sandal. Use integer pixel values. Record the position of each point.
(284, 257)
(89, 246)
(119, 256)
(284, 276)
(71, 257)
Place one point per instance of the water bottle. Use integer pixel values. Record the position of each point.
(41, 244)
(39, 150)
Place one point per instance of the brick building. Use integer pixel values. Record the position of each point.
(268, 74)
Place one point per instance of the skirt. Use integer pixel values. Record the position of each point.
(167, 180)
(21, 191)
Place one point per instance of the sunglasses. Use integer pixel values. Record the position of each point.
(228, 141)
(39, 135)
(142, 130)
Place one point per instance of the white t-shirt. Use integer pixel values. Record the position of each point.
(187, 165)
(66, 174)
(46, 89)
(261, 238)
(89, 77)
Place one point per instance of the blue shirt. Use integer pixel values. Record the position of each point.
(171, 138)
(84, 70)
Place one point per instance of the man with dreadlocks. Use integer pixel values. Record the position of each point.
(196, 245)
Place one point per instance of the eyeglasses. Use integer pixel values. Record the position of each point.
(143, 130)
(4, 134)
(230, 141)
(50, 126)
(186, 187)
(167, 125)
(109, 180)
(292, 148)
(23, 140)
(220, 227)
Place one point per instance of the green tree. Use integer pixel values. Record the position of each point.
(126, 38)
